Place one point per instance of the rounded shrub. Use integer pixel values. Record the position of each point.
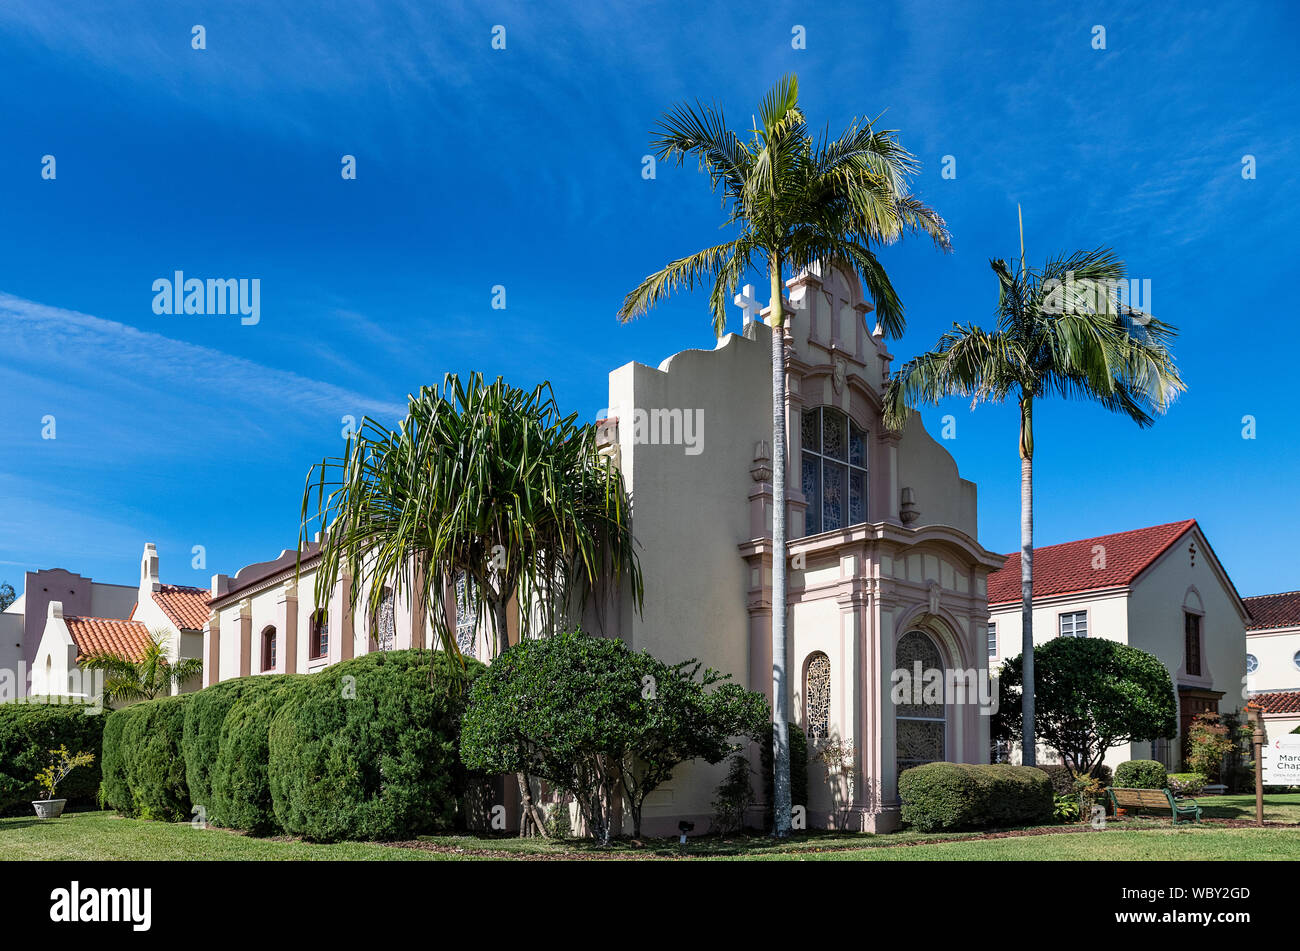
(943, 796)
(1141, 774)
(204, 716)
(115, 785)
(156, 763)
(369, 748)
(1188, 784)
(28, 731)
(241, 789)
(1063, 780)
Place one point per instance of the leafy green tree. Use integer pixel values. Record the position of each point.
(7, 595)
(1092, 694)
(487, 480)
(1059, 333)
(127, 679)
(595, 719)
(792, 204)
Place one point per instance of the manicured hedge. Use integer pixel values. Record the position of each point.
(28, 731)
(204, 717)
(943, 796)
(368, 749)
(144, 766)
(241, 790)
(1141, 774)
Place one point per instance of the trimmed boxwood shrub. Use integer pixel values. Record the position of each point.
(369, 748)
(1187, 784)
(1141, 774)
(155, 761)
(204, 716)
(241, 790)
(28, 731)
(943, 796)
(115, 785)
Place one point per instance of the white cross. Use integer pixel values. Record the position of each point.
(748, 304)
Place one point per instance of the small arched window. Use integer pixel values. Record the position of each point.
(817, 696)
(268, 648)
(384, 623)
(319, 642)
(834, 471)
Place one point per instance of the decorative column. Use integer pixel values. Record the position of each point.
(883, 760)
(286, 628)
(244, 635)
(854, 599)
(340, 621)
(212, 650)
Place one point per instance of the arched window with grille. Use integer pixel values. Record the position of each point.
(920, 727)
(817, 697)
(834, 470)
(383, 625)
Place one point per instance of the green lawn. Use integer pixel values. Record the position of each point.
(105, 836)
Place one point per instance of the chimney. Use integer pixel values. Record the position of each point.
(149, 568)
(220, 585)
(55, 610)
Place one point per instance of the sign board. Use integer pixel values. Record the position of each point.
(1282, 761)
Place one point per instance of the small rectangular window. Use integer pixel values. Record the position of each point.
(1074, 624)
(1192, 643)
(993, 640)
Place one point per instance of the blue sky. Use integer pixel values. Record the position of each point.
(522, 167)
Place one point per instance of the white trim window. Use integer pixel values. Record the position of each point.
(993, 640)
(1073, 624)
(1252, 663)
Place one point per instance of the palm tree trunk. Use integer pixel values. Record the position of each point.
(780, 684)
(1028, 749)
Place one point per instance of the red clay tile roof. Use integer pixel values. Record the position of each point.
(185, 607)
(1273, 610)
(101, 635)
(1067, 568)
(1281, 701)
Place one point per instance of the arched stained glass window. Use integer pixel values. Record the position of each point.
(834, 471)
(385, 623)
(817, 696)
(466, 616)
(920, 726)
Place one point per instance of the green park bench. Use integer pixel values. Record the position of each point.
(1182, 809)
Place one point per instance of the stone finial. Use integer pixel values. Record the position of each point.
(908, 511)
(761, 470)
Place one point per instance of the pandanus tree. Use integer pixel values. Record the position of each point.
(791, 203)
(153, 672)
(481, 480)
(1063, 330)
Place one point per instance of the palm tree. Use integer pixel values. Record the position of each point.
(792, 204)
(144, 678)
(1060, 332)
(487, 481)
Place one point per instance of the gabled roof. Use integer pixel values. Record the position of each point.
(184, 606)
(101, 635)
(1068, 568)
(1278, 701)
(1273, 610)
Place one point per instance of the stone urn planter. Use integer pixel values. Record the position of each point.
(49, 808)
